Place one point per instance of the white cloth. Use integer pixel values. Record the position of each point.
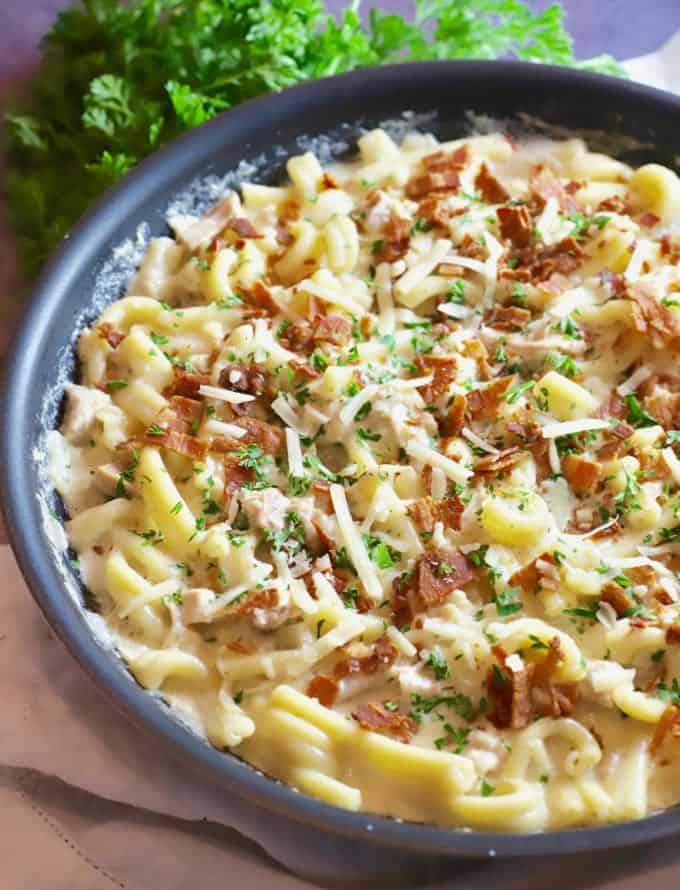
(56, 727)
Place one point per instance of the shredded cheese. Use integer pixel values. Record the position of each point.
(355, 546)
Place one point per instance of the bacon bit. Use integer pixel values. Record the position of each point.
(616, 597)
(243, 227)
(507, 318)
(663, 405)
(384, 654)
(516, 225)
(425, 512)
(183, 415)
(324, 690)
(443, 370)
(509, 695)
(455, 160)
(396, 242)
(241, 647)
(670, 248)
(544, 184)
(649, 220)
(98, 549)
(290, 209)
(434, 211)
(561, 258)
(260, 296)
(321, 489)
(171, 440)
(333, 329)
(438, 573)
(477, 350)
(582, 474)
(113, 337)
(444, 181)
(489, 187)
(389, 723)
(615, 204)
(550, 699)
(258, 599)
(532, 578)
(653, 319)
(471, 248)
(669, 722)
(453, 422)
(493, 464)
(258, 432)
(673, 633)
(299, 337)
(483, 403)
(246, 378)
(327, 182)
(187, 383)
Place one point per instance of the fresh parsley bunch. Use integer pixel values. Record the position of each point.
(119, 80)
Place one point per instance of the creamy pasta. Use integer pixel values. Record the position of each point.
(375, 478)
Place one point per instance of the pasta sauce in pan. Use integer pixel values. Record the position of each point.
(375, 478)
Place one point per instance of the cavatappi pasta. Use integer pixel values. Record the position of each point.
(375, 477)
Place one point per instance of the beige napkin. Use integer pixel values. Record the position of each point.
(56, 727)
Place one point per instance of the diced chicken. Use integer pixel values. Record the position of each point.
(266, 509)
(108, 480)
(82, 405)
(270, 619)
(198, 605)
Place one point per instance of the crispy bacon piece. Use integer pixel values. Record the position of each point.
(535, 576)
(516, 225)
(383, 655)
(433, 210)
(673, 632)
(550, 699)
(235, 476)
(258, 599)
(663, 403)
(483, 403)
(187, 383)
(544, 184)
(241, 647)
(299, 337)
(259, 432)
(477, 350)
(649, 220)
(443, 370)
(183, 415)
(425, 512)
(509, 695)
(617, 436)
(438, 573)
(454, 160)
(615, 204)
(617, 598)
(471, 248)
(582, 474)
(332, 329)
(113, 337)
(453, 422)
(260, 297)
(656, 321)
(507, 318)
(171, 440)
(561, 258)
(246, 378)
(374, 718)
(489, 187)
(396, 241)
(324, 690)
(436, 181)
(669, 722)
(493, 464)
(243, 227)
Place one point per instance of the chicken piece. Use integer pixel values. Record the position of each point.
(108, 479)
(266, 509)
(80, 413)
(198, 605)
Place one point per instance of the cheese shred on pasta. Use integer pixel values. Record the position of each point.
(377, 481)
